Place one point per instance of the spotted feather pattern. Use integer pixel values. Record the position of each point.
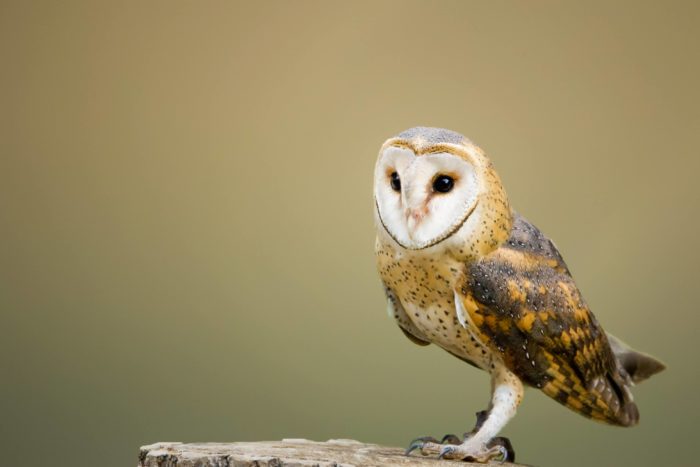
(527, 307)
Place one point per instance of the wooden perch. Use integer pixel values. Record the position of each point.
(288, 452)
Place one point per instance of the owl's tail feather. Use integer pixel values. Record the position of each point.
(639, 366)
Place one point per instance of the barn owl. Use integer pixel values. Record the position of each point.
(465, 272)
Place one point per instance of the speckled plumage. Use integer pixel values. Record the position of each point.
(489, 287)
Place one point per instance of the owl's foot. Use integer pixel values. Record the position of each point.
(452, 447)
(475, 453)
(497, 449)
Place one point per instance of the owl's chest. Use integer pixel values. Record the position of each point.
(426, 289)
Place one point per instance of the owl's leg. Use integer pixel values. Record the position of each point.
(482, 444)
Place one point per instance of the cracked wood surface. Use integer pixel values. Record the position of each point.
(288, 452)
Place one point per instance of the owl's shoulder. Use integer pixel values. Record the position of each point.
(526, 274)
(525, 238)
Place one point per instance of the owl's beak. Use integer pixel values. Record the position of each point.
(414, 217)
(416, 214)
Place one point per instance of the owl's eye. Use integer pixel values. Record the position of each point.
(443, 183)
(395, 182)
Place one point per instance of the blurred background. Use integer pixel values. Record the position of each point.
(186, 234)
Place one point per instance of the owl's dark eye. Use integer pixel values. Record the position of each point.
(395, 182)
(443, 183)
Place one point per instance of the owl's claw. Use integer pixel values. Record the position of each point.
(506, 447)
(446, 452)
(451, 439)
(420, 443)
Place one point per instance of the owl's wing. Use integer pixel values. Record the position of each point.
(526, 307)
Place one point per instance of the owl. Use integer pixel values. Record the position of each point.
(462, 270)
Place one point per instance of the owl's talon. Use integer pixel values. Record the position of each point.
(451, 439)
(412, 447)
(505, 459)
(504, 445)
(419, 443)
(446, 451)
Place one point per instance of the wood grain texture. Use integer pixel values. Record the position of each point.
(288, 452)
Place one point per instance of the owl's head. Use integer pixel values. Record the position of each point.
(434, 188)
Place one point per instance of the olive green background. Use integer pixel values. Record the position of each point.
(186, 234)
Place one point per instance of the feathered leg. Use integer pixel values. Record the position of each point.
(482, 445)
